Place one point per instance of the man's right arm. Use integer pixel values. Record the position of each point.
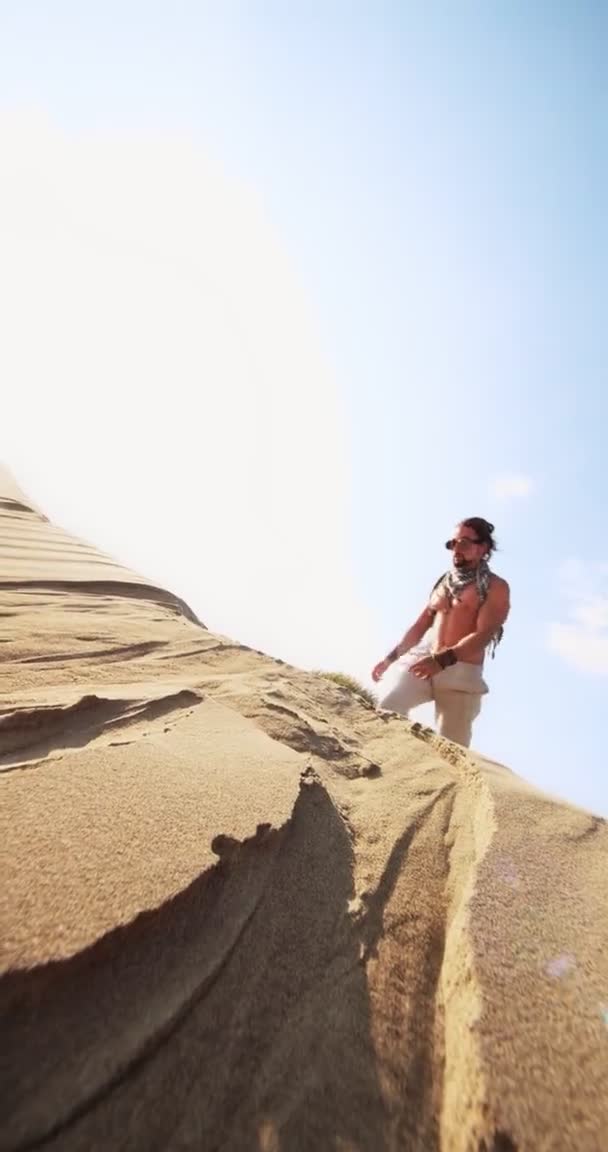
(412, 637)
(414, 634)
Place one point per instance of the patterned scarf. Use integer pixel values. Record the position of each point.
(457, 579)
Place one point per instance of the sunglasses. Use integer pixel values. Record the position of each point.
(462, 542)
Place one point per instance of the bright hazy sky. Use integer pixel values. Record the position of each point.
(288, 289)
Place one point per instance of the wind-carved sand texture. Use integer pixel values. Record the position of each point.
(242, 910)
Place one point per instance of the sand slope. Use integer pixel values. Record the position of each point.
(241, 910)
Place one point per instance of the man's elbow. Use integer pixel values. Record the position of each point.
(475, 641)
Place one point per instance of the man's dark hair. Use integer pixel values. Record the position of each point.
(483, 530)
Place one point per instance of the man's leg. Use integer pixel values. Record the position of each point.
(455, 713)
(409, 692)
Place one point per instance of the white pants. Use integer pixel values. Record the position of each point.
(456, 692)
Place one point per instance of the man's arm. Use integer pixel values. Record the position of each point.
(492, 615)
(414, 634)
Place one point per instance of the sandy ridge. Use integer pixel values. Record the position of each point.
(243, 910)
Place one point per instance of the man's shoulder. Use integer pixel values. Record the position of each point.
(498, 585)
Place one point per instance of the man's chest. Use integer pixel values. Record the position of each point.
(463, 601)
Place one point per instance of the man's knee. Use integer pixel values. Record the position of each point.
(393, 702)
(408, 693)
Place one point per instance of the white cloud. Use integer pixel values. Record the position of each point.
(165, 390)
(582, 640)
(511, 486)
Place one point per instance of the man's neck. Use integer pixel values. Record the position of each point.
(467, 569)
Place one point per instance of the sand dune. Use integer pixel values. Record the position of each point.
(242, 910)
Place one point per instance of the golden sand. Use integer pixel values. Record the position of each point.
(241, 910)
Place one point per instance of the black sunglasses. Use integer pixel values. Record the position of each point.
(462, 540)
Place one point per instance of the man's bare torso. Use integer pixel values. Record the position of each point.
(456, 619)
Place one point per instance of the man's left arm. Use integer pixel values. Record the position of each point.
(491, 616)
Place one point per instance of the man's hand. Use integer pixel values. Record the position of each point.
(425, 668)
(379, 670)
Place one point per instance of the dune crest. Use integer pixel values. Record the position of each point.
(242, 910)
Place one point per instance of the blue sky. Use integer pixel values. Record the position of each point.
(290, 289)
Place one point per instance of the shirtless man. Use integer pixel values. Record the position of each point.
(467, 609)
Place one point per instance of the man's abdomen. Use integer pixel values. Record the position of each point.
(452, 627)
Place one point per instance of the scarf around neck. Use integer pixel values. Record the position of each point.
(456, 580)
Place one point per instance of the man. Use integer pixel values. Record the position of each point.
(467, 609)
